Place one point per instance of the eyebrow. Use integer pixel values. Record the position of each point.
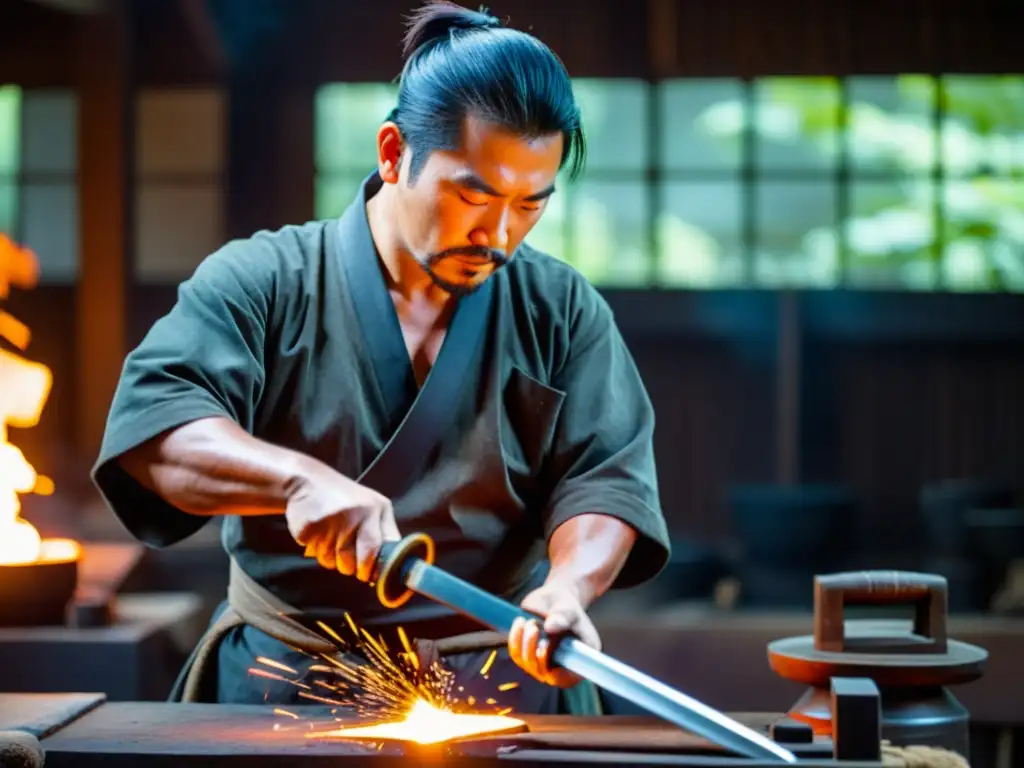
(472, 181)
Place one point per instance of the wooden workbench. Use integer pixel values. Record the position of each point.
(85, 731)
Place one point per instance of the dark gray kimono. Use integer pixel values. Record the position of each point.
(534, 411)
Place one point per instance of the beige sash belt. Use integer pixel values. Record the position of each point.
(249, 603)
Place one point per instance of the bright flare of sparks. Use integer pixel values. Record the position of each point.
(427, 724)
(24, 388)
(388, 692)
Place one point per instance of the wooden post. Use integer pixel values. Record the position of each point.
(106, 115)
(662, 36)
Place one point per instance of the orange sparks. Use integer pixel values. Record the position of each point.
(331, 633)
(320, 699)
(388, 689)
(352, 624)
(271, 676)
(487, 664)
(276, 665)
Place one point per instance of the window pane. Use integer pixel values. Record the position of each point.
(983, 124)
(346, 122)
(8, 206)
(548, 234)
(614, 114)
(334, 193)
(609, 240)
(10, 128)
(702, 124)
(50, 227)
(796, 235)
(890, 235)
(50, 140)
(181, 132)
(892, 123)
(168, 251)
(796, 122)
(699, 235)
(984, 235)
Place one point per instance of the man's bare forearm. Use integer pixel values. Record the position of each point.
(587, 552)
(214, 467)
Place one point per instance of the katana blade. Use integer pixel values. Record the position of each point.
(423, 578)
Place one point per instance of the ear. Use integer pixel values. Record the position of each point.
(389, 152)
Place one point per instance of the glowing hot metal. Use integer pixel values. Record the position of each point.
(427, 724)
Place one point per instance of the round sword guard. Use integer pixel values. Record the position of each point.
(394, 556)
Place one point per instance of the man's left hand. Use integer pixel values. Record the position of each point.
(562, 612)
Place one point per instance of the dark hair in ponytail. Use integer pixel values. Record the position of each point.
(461, 62)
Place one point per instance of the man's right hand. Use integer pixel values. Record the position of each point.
(340, 522)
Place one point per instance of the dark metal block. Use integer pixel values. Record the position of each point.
(788, 731)
(856, 719)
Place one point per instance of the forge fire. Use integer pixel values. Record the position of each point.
(24, 388)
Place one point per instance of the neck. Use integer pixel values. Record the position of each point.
(401, 269)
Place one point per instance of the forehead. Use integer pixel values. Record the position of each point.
(505, 158)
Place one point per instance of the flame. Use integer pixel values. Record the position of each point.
(427, 724)
(24, 388)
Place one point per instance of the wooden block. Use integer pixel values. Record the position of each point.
(856, 719)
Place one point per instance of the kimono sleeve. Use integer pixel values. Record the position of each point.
(603, 454)
(204, 358)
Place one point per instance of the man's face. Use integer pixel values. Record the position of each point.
(468, 210)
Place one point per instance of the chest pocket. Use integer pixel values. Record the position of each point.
(529, 420)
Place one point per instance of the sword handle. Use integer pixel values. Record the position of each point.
(406, 567)
(489, 610)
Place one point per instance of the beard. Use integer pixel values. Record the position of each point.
(461, 279)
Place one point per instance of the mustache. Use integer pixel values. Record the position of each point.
(472, 251)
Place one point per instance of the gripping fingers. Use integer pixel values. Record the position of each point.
(531, 638)
(345, 553)
(368, 541)
(543, 657)
(515, 642)
(388, 526)
(325, 549)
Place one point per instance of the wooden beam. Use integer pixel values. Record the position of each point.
(663, 36)
(204, 31)
(106, 114)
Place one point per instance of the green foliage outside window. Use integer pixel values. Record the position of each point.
(897, 183)
(10, 143)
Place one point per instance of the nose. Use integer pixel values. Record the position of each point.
(492, 233)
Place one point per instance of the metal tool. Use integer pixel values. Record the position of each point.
(406, 567)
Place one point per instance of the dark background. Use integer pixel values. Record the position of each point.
(877, 391)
